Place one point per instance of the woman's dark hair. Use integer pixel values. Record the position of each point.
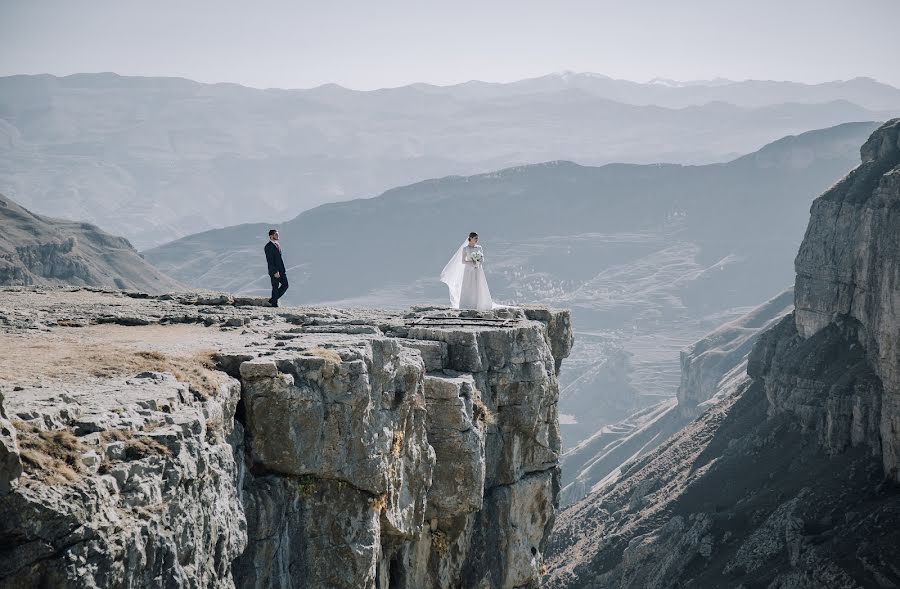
(473, 235)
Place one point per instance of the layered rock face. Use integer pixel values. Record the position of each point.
(440, 446)
(338, 449)
(713, 365)
(127, 484)
(791, 480)
(848, 268)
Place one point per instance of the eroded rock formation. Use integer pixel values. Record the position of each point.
(302, 448)
(126, 484)
(714, 365)
(848, 274)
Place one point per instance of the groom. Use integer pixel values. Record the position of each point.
(277, 274)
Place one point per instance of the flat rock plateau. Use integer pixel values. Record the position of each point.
(203, 440)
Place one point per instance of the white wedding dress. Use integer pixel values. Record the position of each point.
(466, 281)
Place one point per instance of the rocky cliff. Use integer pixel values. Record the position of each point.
(40, 250)
(202, 441)
(848, 275)
(713, 366)
(791, 480)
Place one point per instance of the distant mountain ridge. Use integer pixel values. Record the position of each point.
(36, 250)
(866, 92)
(158, 158)
(506, 204)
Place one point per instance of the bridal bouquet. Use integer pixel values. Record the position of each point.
(476, 257)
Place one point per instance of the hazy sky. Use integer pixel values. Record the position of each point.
(377, 43)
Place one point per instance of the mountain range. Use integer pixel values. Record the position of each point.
(648, 257)
(159, 158)
(865, 92)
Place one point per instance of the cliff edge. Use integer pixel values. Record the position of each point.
(198, 440)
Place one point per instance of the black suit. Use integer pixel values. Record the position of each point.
(276, 264)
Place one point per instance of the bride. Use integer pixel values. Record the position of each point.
(464, 276)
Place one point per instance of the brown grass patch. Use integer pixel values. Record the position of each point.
(483, 412)
(59, 355)
(197, 370)
(379, 503)
(137, 448)
(116, 435)
(53, 457)
(328, 355)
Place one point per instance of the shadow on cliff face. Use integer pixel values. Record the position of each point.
(780, 481)
(752, 493)
(754, 501)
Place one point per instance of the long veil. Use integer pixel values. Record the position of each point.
(452, 275)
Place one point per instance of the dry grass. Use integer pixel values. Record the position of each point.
(136, 447)
(483, 412)
(116, 435)
(53, 457)
(379, 503)
(197, 370)
(75, 355)
(328, 355)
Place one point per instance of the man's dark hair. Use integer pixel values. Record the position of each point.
(272, 232)
(473, 235)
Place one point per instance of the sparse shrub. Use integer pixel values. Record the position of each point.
(306, 485)
(136, 447)
(328, 355)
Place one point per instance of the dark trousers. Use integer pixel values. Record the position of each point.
(279, 286)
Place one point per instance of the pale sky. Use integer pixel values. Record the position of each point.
(366, 44)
